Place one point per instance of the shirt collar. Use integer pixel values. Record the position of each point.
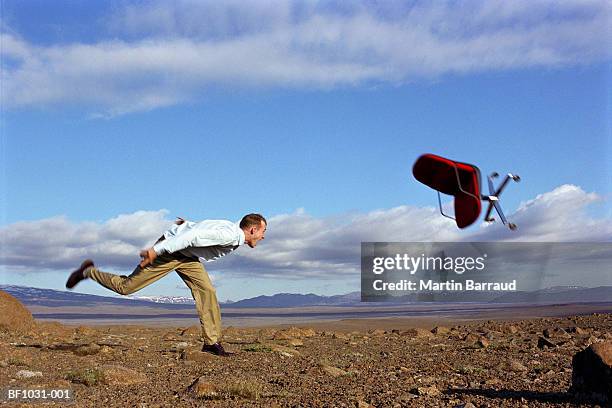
(241, 237)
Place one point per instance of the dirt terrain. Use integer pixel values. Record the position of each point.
(482, 364)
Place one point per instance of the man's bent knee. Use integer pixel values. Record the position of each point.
(125, 288)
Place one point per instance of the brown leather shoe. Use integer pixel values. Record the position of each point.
(216, 349)
(77, 275)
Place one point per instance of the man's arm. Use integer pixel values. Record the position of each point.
(148, 255)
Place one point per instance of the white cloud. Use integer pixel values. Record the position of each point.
(164, 53)
(558, 215)
(57, 243)
(297, 245)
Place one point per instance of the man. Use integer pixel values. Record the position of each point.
(181, 248)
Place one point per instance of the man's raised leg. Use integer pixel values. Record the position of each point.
(140, 277)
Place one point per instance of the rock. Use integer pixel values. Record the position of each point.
(592, 372)
(512, 329)
(363, 404)
(293, 333)
(440, 330)
(118, 375)
(84, 331)
(282, 349)
(545, 343)
(14, 316)
(191, 331)
(179, 346)
(203, 389)
(482, 343)
(377, 332)
(431, 391)
(87, 350)
(106, 349)
(196, 355)
(471, 338)
(574, 330)
(557, 332)
(333, 371)
(28, 374)
(466, 405)
(516, 366)
(417, 332)
(340, 335)
(308, 332)
(591, 340)
(295, 342)
(493, 381)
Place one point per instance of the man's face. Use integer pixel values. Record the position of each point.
(256, 233)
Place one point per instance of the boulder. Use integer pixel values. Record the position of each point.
(417, 332)
(118, 375)
(277, 348)
(340, 335)
(28, 374)
(543, 343)
(592, 372)
(85, 331)
(193, 331)
(482, 342)
(516, 366)
(87, 350)
(431, 391)
(13, 314)
(576, 330)
(440, 330)
(333, 371)
(203, 389)
(196, 356)
(295, 342)
(294, 333)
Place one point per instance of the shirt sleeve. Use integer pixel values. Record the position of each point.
(194, 238)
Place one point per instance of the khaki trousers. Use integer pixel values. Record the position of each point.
(189, 269)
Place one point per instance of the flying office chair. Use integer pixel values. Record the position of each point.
(462, 180)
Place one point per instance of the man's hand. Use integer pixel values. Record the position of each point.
(148, 256)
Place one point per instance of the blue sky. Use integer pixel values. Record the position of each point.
(120, 116)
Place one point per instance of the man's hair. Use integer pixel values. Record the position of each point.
(252, 220)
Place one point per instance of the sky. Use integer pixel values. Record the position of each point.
(119, 116)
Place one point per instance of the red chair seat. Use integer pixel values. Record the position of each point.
(441, 175)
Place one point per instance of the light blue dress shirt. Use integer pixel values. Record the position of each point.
(207, 240)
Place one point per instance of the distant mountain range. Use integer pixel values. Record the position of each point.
(56, 298)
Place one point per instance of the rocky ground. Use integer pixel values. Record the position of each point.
(484, 364)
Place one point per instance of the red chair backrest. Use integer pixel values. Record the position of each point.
(441, 175)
